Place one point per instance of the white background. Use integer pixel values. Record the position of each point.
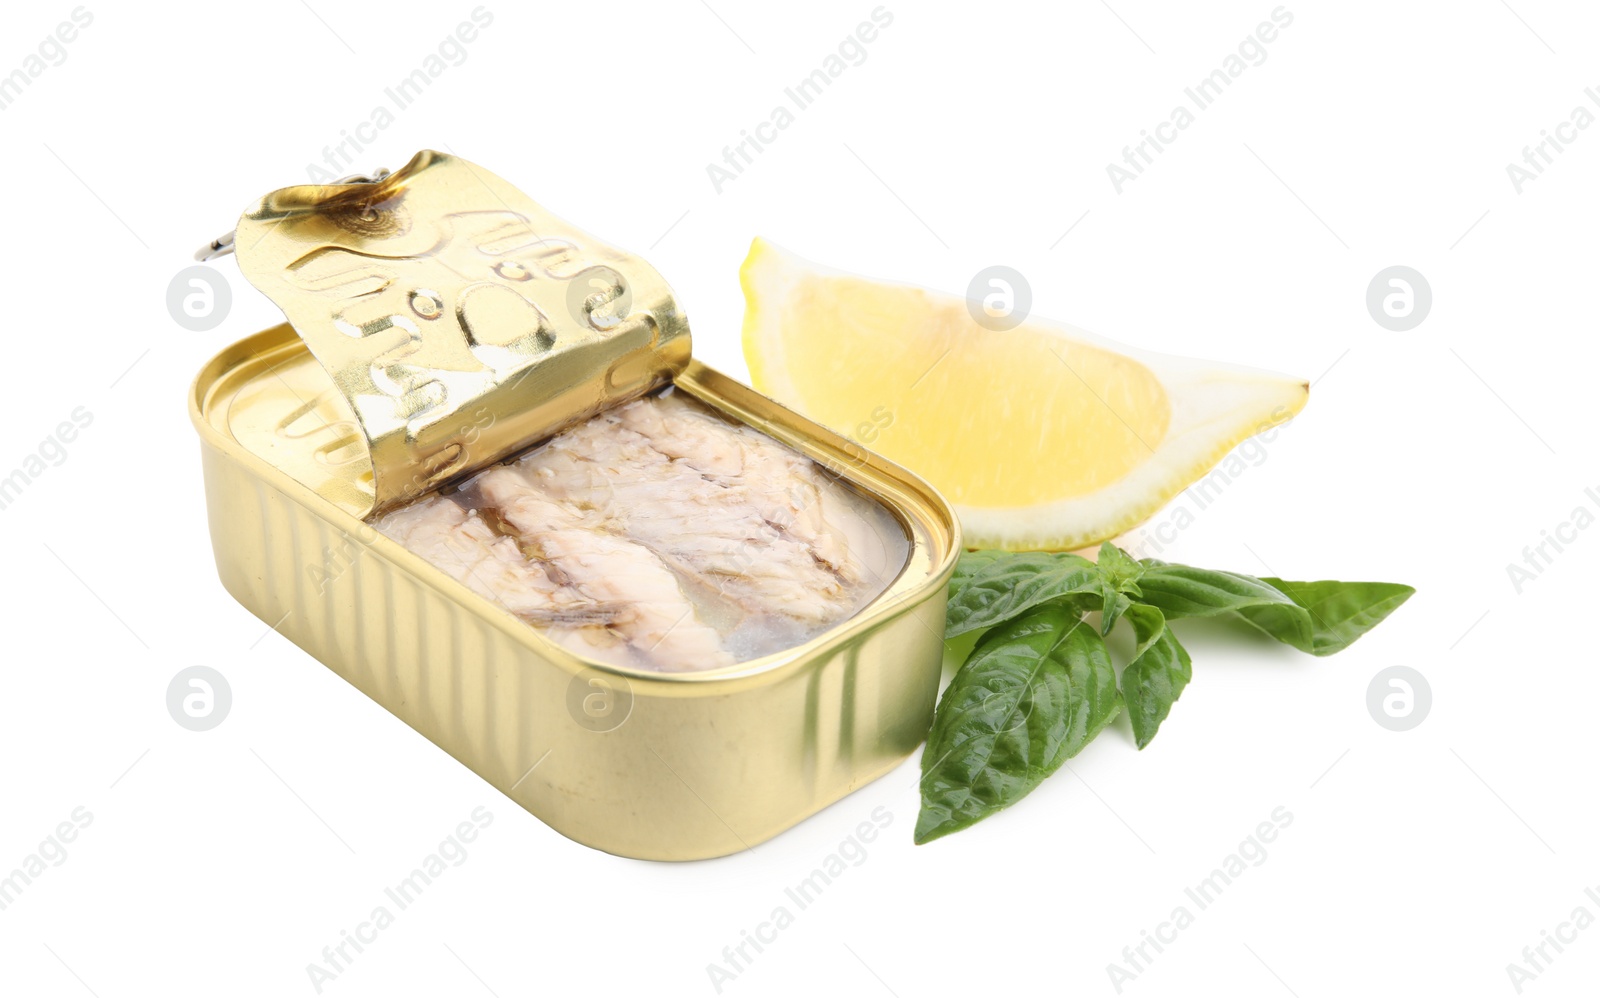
(1374, 134)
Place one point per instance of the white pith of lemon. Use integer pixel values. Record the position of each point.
(1043, 437)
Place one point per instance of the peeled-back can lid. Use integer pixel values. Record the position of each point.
(458, 319)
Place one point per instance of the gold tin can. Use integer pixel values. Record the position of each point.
(441, 321)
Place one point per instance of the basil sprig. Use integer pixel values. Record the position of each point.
(1040, 684)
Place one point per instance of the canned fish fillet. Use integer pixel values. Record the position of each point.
(661, 536)
(481, 477)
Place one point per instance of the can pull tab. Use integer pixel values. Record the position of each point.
(223, 244)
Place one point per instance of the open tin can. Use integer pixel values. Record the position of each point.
(441, 323)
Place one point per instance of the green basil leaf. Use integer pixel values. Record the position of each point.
(1316, 617)
(1112, 606)
(1331, 615)
(1180, 591)
(993, 586)
(1154, 680)
(1036, 690)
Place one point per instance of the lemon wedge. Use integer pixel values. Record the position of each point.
(1042, 436)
